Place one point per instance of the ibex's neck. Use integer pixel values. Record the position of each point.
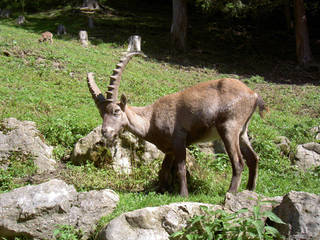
(139, 120)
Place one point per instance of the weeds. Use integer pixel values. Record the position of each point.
(219, 224)
(67, 232)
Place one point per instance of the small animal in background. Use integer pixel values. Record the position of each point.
(46, 36)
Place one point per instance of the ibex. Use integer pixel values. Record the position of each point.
(218, 108)
(46, 36)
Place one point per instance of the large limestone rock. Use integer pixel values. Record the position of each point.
(156, 223)
(301, 211)
(23, 136)
(308, 155)
(35, 211)
(248, 199)
(126, 150)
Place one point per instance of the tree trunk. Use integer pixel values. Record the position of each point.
(303, 50)
(287, 14)
(179, 25)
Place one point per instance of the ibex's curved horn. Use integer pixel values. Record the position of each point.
(115, 78)
(95, 91)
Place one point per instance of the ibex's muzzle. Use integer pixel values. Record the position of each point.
(109, 133)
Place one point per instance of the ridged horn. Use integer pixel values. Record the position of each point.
(115, 78)
(96, 94)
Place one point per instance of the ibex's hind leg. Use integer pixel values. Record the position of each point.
(165, 174)
(251, 159)
(230, 136)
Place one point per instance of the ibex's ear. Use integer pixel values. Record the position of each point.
(123, 102)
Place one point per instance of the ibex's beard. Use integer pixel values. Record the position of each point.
(108, 141)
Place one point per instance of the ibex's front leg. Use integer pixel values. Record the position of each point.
(180, 164)
(165, 174)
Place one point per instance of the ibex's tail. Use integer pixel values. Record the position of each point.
(262, 106)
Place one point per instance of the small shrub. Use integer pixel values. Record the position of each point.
(64, 131)
(222, 225)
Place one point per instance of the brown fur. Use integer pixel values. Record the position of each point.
(218, 108)
(46, 36)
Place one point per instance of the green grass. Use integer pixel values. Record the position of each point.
(46, 84)
(16, 168)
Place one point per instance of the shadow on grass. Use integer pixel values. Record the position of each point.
(228, 47)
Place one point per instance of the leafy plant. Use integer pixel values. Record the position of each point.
(220, 162)
(67, 232)
(220, 224)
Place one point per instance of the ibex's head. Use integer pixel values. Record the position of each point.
(111, 111)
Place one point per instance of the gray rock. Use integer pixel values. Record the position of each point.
(23, 136)
(284, 144)
(308, 155)
(127, 149)
(316, 132)
(211, 148)
(248, 199)
(36, 211)
(301, 211)
(156, 223)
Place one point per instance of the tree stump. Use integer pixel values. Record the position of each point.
(5, 13)
(61, 29)
(83, 35)
(21, 20)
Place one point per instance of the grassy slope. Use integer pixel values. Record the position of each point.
(47, 84)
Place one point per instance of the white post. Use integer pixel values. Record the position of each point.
(83, 35)
(134, 44)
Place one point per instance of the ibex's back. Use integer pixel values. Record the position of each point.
(207, 110)
(198, 110)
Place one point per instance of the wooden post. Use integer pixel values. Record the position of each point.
(83, 36)
(134, 44)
